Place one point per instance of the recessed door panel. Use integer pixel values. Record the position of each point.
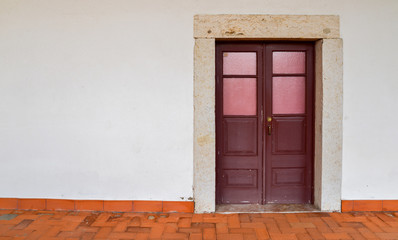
(264, 117)
(289, 135)
(240, 136)
(241, 178)
(291, 176)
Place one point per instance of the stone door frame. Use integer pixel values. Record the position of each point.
(324, 30)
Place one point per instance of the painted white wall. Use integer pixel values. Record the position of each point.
(96, 96)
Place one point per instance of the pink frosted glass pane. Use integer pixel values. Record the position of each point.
(239, 63)
(239, 96)
(288, 62)
(288, 95)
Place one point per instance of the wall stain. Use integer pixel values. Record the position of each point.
(203, 140)
(326, 30)
(233, 33)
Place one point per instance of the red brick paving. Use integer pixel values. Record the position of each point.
(49, 225)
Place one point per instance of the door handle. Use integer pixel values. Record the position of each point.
(269, 120)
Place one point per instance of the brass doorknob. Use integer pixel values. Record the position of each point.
(269, 120)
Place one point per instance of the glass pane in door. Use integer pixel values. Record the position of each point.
(239, 96)
(239, 63)
(288, 62)
(288, 95)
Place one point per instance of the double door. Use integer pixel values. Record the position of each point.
(264, 122)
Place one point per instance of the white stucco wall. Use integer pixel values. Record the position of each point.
(96, 96)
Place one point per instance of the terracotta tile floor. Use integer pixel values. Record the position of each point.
(94, 225)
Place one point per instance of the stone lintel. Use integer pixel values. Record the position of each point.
(267, 26)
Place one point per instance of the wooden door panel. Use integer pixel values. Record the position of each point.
(284, 161)
(288, 135)
(240, 195)
(241, 178)
(240, 136)
(288, 176)
(241, 162)
(288, 194)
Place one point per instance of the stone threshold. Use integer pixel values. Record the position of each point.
(267, 208)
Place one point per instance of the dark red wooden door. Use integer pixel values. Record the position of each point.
(264, 122)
